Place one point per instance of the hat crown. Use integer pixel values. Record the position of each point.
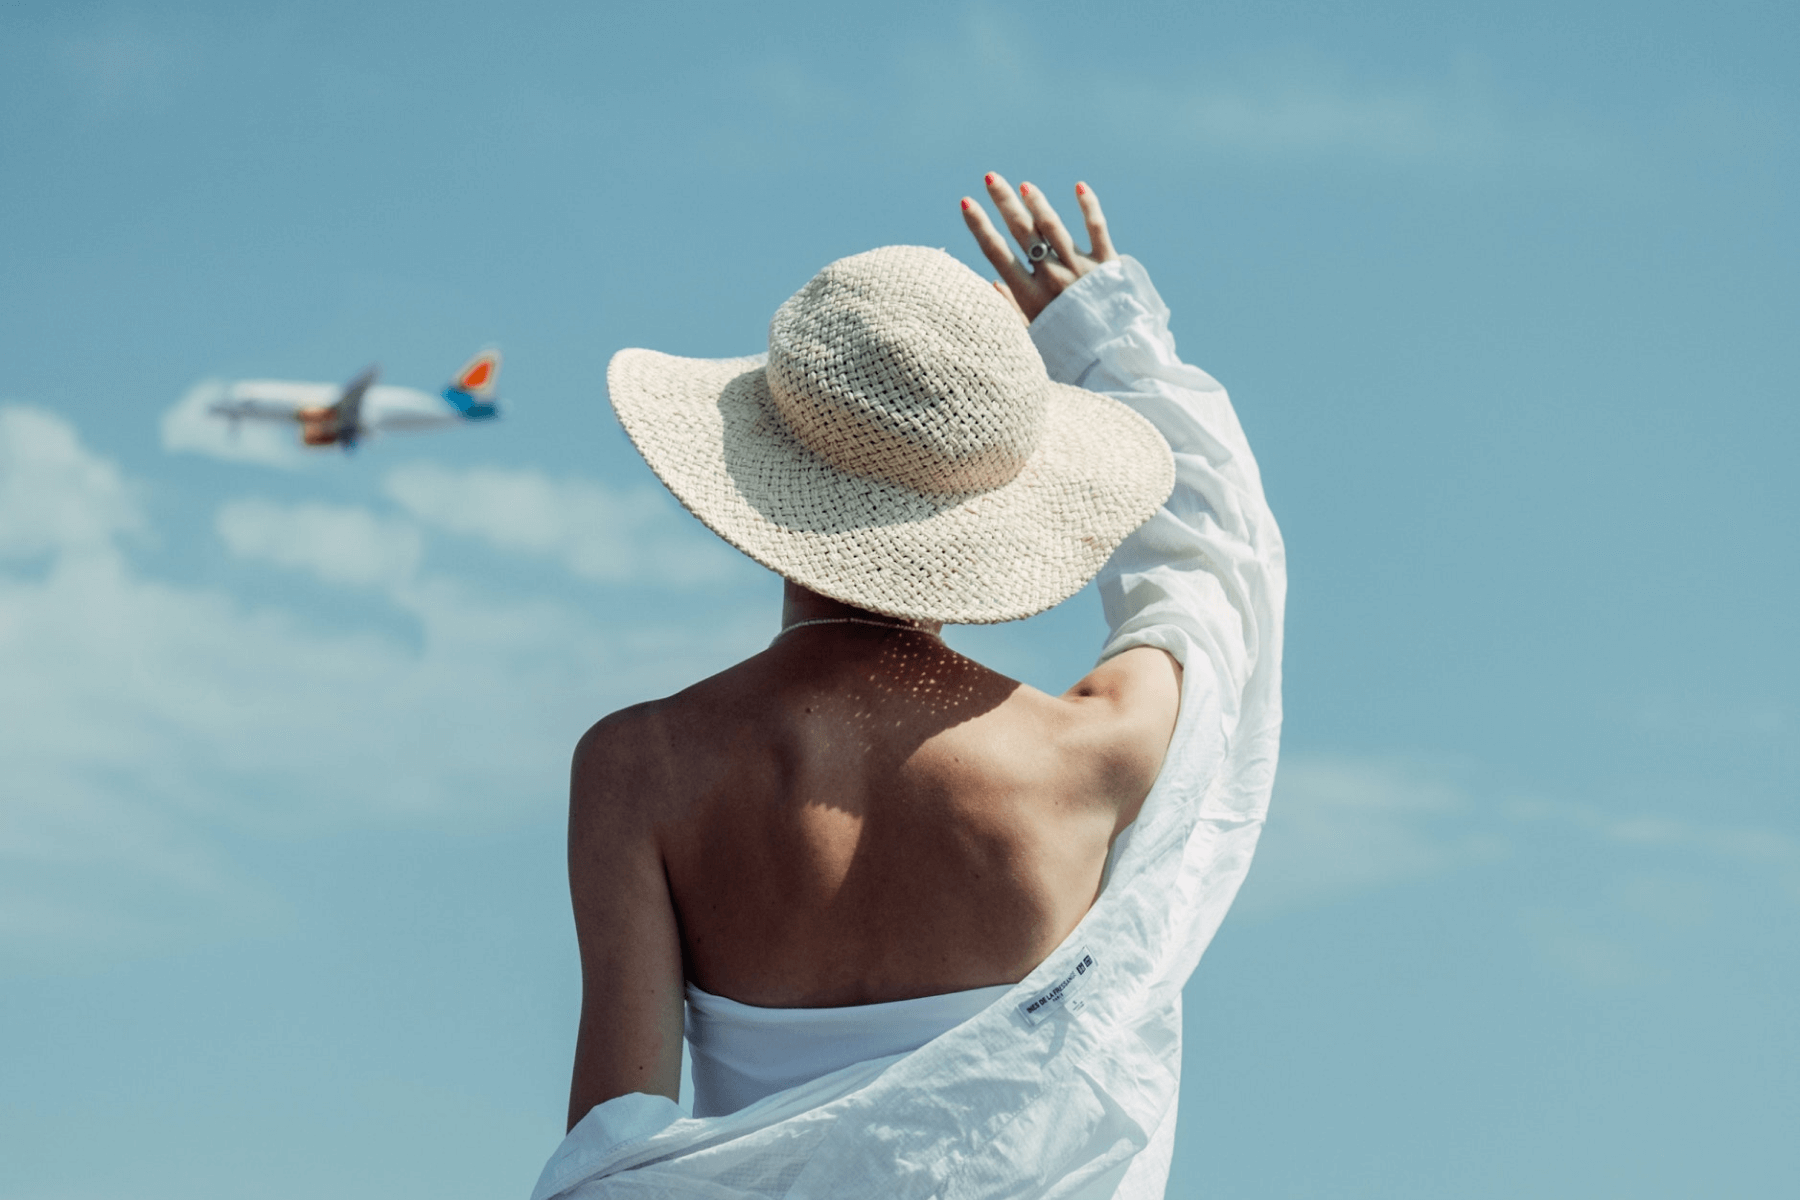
(901, 365)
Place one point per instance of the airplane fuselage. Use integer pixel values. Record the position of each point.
(344, 423)
(319, 426)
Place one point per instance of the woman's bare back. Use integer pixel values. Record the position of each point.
(861, 815)
(854, 815)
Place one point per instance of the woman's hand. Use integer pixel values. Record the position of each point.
(1028, 215)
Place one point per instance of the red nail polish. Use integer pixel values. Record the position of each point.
(965, 206)
(1024, 189)
(988, 179)
(1081, 189)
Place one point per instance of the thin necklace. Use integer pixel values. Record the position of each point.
(907, 625)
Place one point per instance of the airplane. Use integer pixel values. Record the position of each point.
(354, 413)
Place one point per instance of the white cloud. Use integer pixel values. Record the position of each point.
(120, 63)
(1290, 106)
(594, 532)
(1344, 826)
(1583, 947)
(1309, 109)
(1324, 116)
(53, 494)
(1339, 826)
(190, 427)
(149, 723)
(1695, 842)
(339, 544)
(1711, 716)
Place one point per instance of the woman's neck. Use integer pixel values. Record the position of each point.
(800, 604)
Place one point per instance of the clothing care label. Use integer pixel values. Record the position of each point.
(1037, 1010)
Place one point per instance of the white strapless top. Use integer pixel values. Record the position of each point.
(741, 1053)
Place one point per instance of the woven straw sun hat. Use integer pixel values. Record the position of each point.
(900, 448)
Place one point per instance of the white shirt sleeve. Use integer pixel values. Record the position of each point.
(1207, 572)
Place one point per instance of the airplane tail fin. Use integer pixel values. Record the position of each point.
(471, 391)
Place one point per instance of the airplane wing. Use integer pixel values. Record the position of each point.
(256, 410)
(349, 407)
(272, 399)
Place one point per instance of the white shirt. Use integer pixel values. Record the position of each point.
(1066, 1087)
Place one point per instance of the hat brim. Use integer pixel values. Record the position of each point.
(710, 430)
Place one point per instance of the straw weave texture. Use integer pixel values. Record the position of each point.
(900, 448)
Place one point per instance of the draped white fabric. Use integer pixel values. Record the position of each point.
(1066, 1087)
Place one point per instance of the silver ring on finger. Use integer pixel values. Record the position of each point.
(1039, 251)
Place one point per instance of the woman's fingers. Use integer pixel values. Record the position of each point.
(1049, 226)
(1018, 219)
(1012, 272)
(1029, 216)
(1098, 238)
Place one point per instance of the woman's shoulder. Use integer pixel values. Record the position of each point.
(613, 761)
(645, 754)
(643, 726)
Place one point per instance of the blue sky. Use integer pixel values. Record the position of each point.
(1505, 294)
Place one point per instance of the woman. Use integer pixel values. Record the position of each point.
(859, 842)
